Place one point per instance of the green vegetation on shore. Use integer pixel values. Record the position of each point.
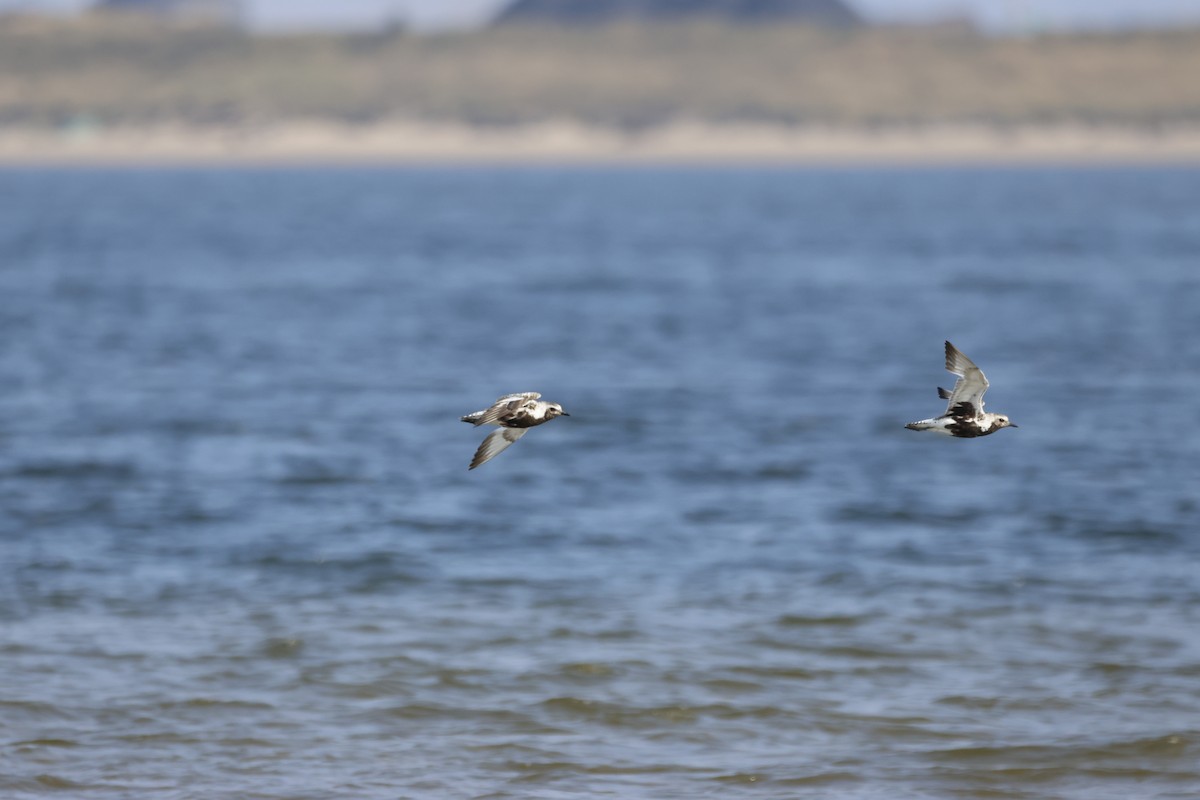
(123, 71)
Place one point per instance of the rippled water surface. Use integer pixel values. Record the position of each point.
(241, 555)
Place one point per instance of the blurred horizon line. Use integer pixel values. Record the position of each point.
(564, 143)
(84, 80)
(259, 18)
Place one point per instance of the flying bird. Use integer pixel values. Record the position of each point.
(515, 414)
(964, 417)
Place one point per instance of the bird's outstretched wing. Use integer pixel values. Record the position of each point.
(515, 395)
(966, 399)
(495, 444)
(504, 409)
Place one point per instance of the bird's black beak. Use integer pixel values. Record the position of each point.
(1013, 425)
(565, 414)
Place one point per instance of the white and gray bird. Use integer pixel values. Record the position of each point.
(515, 414)
(964, 417)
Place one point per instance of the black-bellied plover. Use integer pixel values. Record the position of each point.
(515, 414)
(964, 417)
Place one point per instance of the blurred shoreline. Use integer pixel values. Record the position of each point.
(414, 143)
(102, 90)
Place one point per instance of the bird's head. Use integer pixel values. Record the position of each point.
(1005, 422)
(555, 410)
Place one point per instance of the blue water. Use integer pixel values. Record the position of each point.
(241, 555)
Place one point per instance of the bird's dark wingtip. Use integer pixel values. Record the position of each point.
(952, 354)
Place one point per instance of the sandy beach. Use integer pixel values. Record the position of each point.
(404, 142)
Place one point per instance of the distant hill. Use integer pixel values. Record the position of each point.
(829, 13)
(225, 11)
(104, 70)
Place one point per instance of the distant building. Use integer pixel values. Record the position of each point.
(829, 13)
(225, 12)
